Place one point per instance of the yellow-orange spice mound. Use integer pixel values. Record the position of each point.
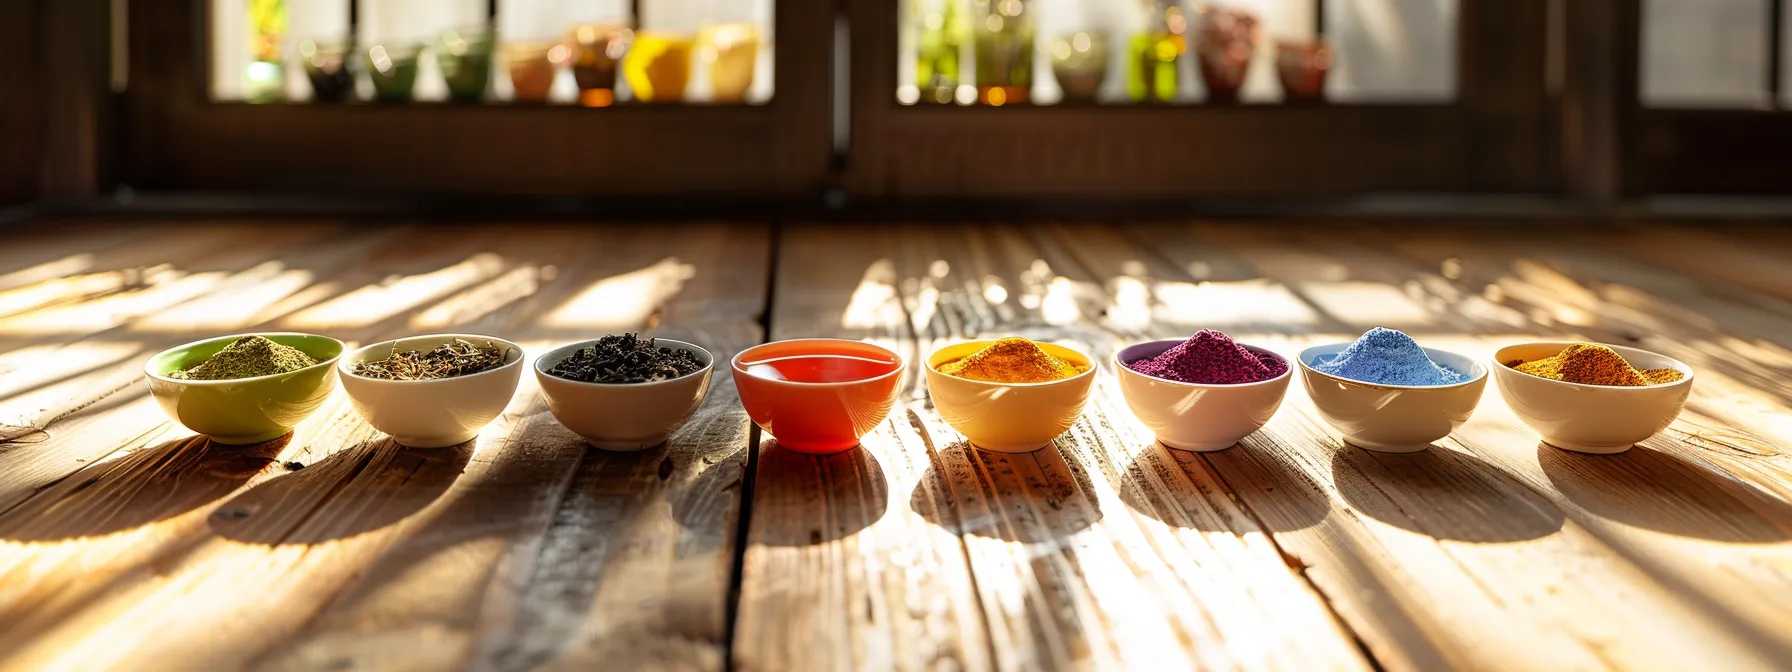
(1011, 360)
(1591, 364)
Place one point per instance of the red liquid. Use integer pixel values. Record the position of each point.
(819, 368)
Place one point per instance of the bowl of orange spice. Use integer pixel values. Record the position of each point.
(1011, 395)
(1589, 397)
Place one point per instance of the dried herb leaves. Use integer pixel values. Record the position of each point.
(448, 360)
(626, 359)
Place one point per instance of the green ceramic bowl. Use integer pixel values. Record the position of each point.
(244, 410)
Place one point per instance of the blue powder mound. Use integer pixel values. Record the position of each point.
(1387, 357)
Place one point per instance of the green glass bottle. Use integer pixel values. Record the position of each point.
(1004, 45)
(1151, 56)
(265, 79)
(942, 28)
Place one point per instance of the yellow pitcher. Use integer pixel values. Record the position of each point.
(658, 66)
(732, 51)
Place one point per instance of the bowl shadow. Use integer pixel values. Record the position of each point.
(1042, 496)
(800, 499)
(1444, 494)
(142, 488)
(1187, 489)
(351, 492)
(1651, 489)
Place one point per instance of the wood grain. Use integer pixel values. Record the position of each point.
(125, 538)
(389, 554)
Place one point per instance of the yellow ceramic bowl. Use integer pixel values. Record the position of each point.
(1008, 417)
(1596, 419)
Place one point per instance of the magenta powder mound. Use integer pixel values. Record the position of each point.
(1210, 358)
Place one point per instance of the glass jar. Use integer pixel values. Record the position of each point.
(532, 66)
(1003, 31)
(1151, 57)
(264, 81)
(597, 50)
(1080, 63)
(1302, 67)
(393, 70)
(326, 67)
(941, 27)
(1223, 48)
(732, 52)
(464, 56)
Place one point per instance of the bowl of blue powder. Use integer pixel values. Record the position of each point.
(1387, 393)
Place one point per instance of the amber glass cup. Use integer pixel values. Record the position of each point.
(1223, 50)
(532, 66)
(1302, 67)
(597, 52)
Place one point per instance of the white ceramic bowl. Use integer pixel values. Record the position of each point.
(623, 416)
(1196, 416)
(1008, 417)
(1393, 418)
(431, 413)
(1598, 419)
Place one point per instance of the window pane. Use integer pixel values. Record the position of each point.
(432, 50)
(242, 45)
(1392, 50)
(731, 43)
(1709, 53)
(406, 29)
(1402, 50)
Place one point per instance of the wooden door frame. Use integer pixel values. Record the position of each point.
(177, 139)
(1654, 151)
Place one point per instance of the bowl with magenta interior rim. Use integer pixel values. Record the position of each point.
(433, 413)
(1008, 417)
(1198, 416)
(243, 410)
(1393, 418)
(1598, 419)
(623, 416)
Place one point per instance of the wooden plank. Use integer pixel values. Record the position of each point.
(844, 567)
(1216, 595)
(121, 561)
(72, 360)
(371, 521)
(635, 568)
(1416, 602)
(1066, 574)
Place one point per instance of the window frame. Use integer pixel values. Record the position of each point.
(1684, 150)
(1498, 135)
(176, 137)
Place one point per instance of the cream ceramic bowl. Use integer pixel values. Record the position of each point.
(623, 416)
(1598, 419)
(1393, 418)
(431, 413)
(1008, 417)
(1195, 416)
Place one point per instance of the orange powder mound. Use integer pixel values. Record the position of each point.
(1591, 364)
(1011, 360)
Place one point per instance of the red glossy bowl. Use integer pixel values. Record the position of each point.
(818, 395)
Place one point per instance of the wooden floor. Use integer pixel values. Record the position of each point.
(128, 543)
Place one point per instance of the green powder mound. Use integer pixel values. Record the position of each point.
(248, 357)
